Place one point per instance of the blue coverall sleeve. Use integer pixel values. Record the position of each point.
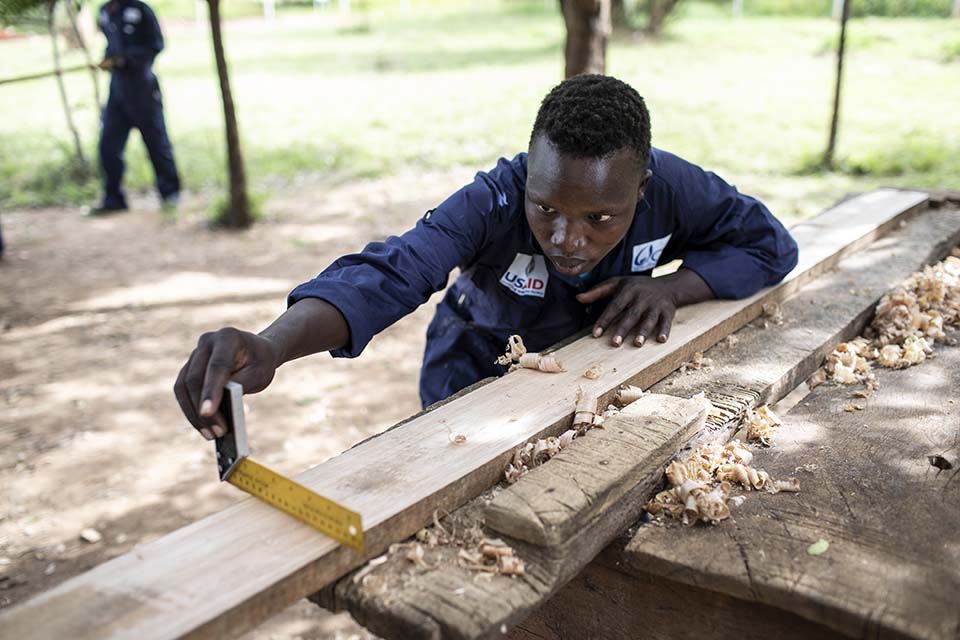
(148, 42)
(387, 280)
(734, 243)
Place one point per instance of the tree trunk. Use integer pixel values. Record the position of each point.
(588, 28)
(58, 67)
(72, 16)
(657, 13)
(618, 15)
(237, 215)
(835, 121)
(955, 11)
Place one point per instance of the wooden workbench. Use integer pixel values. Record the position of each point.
(891, 518)
(751, 576)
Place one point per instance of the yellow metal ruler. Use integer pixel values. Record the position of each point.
(307, 506)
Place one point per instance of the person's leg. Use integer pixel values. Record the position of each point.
(154, 132)
(113, 139)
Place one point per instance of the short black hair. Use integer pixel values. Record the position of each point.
(592, 116)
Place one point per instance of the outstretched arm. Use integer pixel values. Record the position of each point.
(310, 326)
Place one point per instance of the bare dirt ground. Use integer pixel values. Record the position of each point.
(98, 315)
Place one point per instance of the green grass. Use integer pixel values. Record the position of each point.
(459, 83)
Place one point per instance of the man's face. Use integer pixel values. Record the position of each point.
(580, 208)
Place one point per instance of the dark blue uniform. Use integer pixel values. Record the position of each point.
(133, 35)
(506, 284)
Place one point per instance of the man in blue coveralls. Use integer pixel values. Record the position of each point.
(541, 241)
(133, 41)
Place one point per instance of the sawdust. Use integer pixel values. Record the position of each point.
(697, 363)
(594, 372)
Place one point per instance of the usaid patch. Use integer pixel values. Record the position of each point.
(646, 255)
(527, 276)
(132, 14)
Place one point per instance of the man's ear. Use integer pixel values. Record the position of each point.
(643, 183)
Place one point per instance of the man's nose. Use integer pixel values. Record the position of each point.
(567, 237)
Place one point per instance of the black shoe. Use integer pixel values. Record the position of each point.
(104, 210)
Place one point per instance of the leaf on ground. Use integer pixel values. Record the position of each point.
(818, 547)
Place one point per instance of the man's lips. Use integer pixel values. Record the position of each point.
(569, 266)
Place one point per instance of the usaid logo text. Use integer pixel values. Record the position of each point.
(527, 275)
(646, 255)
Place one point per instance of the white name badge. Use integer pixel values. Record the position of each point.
(527, 275)
(646, 255)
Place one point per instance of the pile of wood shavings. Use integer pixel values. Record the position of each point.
(906, 323)
(762, 424)
(516, 357)
(701, 483)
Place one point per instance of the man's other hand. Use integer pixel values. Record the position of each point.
(639, 303)
(221, 356)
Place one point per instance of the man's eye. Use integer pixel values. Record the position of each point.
(542, 208)
(600, 217)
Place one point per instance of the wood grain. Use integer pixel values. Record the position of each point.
(892, 520)
(226, 573)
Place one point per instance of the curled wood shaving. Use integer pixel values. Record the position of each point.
(628, 393)
(790, 485)
(701, 503)
(516, 356)
(762, 424)
(585, 410)
(698, 362)
(594, 372)
(491, 556)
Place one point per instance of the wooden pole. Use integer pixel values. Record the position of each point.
(835, 120)
(238, 214)
(58, 72)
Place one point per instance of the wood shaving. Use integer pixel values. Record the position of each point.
(594, 372)
(585, 410)
(628, 393)
(762, 424)
(699, 362)
(517, 357)
(772, 314)
(730, 341)
(492, 556)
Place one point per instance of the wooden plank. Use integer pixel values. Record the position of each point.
(893, 565)
(557, 517)
(764, 365)
(604, 604)
(227, 572)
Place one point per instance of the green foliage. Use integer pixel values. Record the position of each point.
(910, 156)
(219, 208)
(950, 51)
(860, 8)
(454, 85)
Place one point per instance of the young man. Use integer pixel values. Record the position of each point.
(133, 41)
(551, 242)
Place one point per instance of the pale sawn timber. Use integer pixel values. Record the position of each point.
(224, 574)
